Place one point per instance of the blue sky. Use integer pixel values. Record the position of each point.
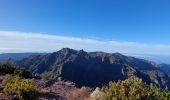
(145, 23)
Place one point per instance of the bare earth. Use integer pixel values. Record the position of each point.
(57, 90)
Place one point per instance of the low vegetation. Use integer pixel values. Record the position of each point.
(21, 89)
(7, 68)
(16, 83)
(45, 76)
(131, 89)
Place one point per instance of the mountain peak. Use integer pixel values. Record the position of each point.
(82, 52)
(67, 50)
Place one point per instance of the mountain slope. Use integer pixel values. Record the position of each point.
(94, 68)
(165, 68)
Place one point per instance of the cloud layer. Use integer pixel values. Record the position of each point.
(12, 41)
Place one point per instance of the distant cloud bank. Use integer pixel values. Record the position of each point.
(12, 41)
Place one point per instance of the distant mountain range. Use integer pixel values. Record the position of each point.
(16, 56)
(157, 58)
(92, 68)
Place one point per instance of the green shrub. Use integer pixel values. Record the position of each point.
(45, 76)
(7, 68)
(21, 72)
(133, 89)
(23, 89)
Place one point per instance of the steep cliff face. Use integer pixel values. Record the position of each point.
(94, 68)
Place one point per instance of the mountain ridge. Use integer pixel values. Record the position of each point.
(84, 68)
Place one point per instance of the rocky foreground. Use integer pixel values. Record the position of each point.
(61, 90)
(57, 90)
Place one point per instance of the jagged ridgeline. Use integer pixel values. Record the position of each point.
(94, 68)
